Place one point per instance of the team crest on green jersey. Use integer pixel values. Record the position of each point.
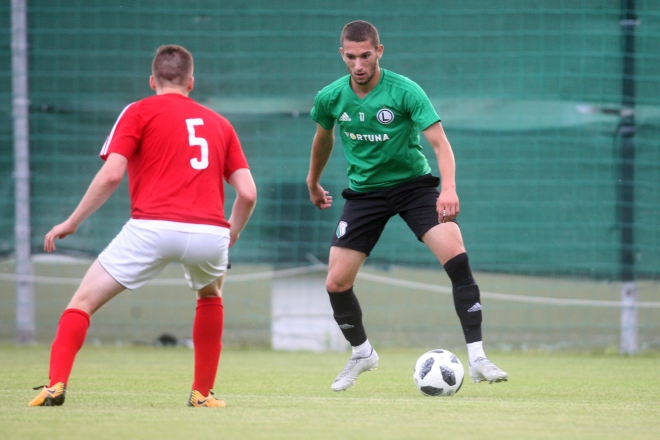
(385, 116)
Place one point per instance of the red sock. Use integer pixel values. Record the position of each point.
(207, 339)
(71, 333)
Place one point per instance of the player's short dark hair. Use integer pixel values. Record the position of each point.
(172, 64)
(359, 31)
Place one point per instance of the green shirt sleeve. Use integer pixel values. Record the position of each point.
(320, 113)
(420, 108)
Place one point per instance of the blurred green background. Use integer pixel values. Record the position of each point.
(519, 86)
(537, 178)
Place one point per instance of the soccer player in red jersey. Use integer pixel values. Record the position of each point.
(177, 154)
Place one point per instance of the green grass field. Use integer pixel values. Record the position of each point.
(141, 392)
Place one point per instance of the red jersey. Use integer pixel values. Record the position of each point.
(178, 152)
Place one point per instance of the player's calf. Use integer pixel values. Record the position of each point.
(467, 302)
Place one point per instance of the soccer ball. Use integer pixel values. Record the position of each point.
(438, 373)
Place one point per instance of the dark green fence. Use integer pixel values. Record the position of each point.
(520, 87)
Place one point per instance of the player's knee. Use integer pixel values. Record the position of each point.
(212, 290)
(85, 303)
(467, 302)
(332, 285)
(459, 271)
(201, 294)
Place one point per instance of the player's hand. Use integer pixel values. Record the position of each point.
(447, 205)
(320, 197)
(233, 237)
(59, 231)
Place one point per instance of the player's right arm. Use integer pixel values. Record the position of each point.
(246, 198)
(104, 184)
(322, 145)
(447, 205)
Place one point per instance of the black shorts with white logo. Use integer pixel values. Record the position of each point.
(367, 212)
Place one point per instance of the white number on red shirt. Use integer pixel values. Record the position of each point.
(195, 141)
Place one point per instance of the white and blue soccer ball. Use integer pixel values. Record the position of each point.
(438, 373)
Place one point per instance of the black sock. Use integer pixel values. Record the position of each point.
(348, 314)
(459, 271)
(467, 299)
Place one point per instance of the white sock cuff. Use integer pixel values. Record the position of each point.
(363, 350)
(475, 350)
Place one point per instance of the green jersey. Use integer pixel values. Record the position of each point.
(380, 132)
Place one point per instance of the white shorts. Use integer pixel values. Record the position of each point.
(143, 248)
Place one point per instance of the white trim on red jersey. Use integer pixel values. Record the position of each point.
(106, 144)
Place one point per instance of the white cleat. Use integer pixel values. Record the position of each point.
(353, 369)
(484, 370)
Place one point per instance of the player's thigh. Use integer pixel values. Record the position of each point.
(445, 241)
(137, 255)
(343, 267)
(417, 207)
(97, 288)
(205, 261)
(362, 221)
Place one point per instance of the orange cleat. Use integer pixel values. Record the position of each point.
(50, 396)
(197, 399)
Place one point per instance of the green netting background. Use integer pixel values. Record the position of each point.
(537, 177)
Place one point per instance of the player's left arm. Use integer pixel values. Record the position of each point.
(104, 184)
(448, 205)
(246, 199)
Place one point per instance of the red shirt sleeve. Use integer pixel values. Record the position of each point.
(125, 135)
(235, 158)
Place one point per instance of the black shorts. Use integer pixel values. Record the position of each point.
(366, 213)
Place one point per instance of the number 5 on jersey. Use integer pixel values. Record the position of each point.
(194, 141)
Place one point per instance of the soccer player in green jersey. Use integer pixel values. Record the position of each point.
(380, 114)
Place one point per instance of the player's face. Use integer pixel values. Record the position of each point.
(361, 59)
